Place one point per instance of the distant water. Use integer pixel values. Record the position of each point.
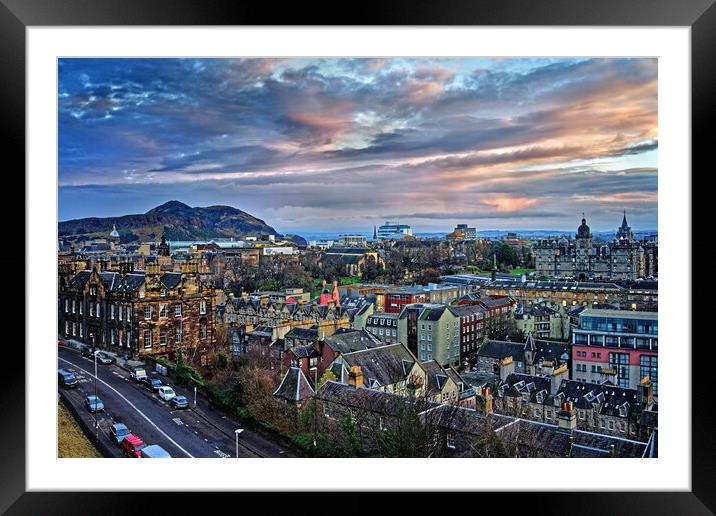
(528, 233)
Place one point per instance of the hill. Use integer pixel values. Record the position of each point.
(177, 220)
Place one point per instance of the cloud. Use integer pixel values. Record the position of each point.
(366, 138)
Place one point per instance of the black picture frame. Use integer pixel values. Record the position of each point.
(700, 15)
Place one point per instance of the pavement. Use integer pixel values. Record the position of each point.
(199, 431)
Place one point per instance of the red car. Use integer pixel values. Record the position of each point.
(132, 446)
(60, 342)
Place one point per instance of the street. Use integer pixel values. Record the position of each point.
(194, 432)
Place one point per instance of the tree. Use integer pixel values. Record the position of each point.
(505, 255)
(429, 276)
(489, 445)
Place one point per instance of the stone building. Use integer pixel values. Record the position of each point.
(600, 408)
(454, 431)
(138, 313)
(582, 259)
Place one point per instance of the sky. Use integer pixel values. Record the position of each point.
(345, 144)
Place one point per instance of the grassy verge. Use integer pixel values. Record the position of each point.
(71, 442)
(519, 270)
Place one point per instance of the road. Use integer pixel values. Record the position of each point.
(192, 433)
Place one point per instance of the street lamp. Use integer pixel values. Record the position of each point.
(237, 432)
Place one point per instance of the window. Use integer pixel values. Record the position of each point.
(163, 293)
(147, 338)
(73, 306)
(81, 332)
(97, 309)
(620, 363)
(202, 307)
(67, 305)
(121, 312)
(202, 330)
(129, 313)
(648, 367)
(91, 309)
(67, 327)
(430, 347)
(111, 336)
(581, 414)
(74, 329)
(81, 308)
(148, 312)
(162, 310)
(450, 438)
(129, 337)
(111, 311)
(177, 310)
(177, 334)
(611, 425)
(162, 337)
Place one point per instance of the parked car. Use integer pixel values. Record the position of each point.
(166, 393)
(60, 342)
(154, 451)
(132, 445)
(152, 383)
(119, 431)
(93, 403)
(179, 402)
(104, 358)
(138, 374)
(67, 378)
(87, 351)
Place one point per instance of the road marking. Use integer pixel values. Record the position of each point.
(178, 421)
(222, 454)
(135, 408)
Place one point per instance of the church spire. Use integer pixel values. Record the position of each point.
(624, 221)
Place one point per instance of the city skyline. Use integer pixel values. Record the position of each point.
(337, 144)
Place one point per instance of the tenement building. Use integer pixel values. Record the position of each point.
(581, 259)
(138, 313)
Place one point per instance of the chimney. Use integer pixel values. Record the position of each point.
(567, 417)
(487, 397)
(645, 393)
(355, 377)
(507, 367)
(559, 374)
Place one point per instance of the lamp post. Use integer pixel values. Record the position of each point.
(237, 432)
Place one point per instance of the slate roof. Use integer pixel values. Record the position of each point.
(130, 282)
(304, 351)
(498, 349)
(517, 385)
(466, 310)
(294, 386)
(309, 334)
(262, 331)
(111, 280)
(171, 279)
(348, 341)
(437, 376)
(381, 366)
(361, 398)
(609, 398)
(433, 314)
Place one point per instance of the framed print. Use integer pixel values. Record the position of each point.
(429, 238)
